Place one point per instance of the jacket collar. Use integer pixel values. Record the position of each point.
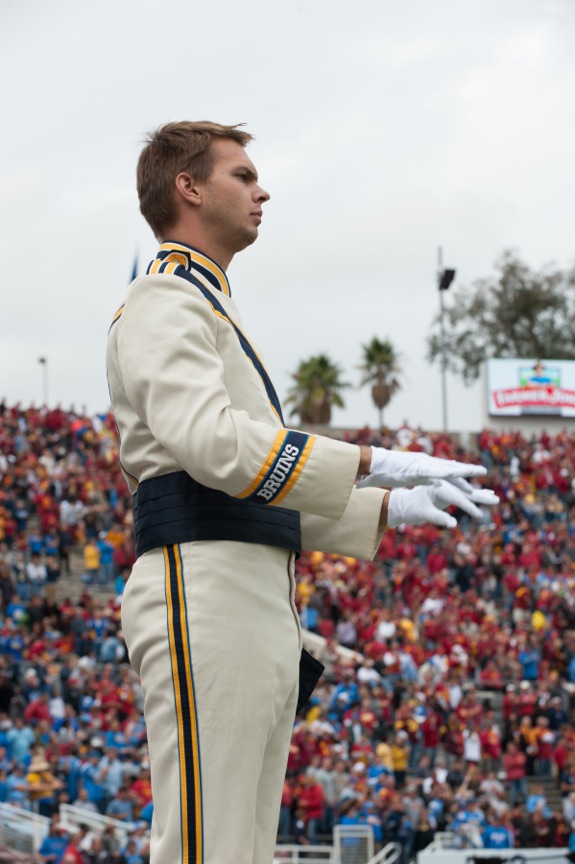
(193, 259)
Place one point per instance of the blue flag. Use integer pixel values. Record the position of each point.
(134, 268)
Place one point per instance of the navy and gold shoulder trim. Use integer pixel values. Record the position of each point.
(172, 255)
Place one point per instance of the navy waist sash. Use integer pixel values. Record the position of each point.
(175, 508)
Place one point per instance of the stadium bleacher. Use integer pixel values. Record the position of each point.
(447, 703)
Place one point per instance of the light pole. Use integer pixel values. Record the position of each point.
(444, 280)
(43, 361)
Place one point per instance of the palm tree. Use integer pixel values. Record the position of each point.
(380, 369)
(317, 389)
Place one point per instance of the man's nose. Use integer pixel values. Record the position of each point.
(262, 195)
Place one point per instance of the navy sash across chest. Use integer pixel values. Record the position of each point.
(246, 347)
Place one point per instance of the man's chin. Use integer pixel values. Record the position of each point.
(247, 239)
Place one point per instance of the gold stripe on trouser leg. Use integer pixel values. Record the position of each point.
(185, 705)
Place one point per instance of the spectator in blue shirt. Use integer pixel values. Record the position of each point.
(147, 812)
(537, 801)
(4, 759)
(111, 647)
(369, 815)
(530, 659)
(111, 773)
(52, 543)
(475, 814)
(121, 580)
(71, 767)
(3, 786)
(35, 543)
(16, 610)
(90, 775)
(131, 854)
(53, 845)
(497, 836)
(121, 806)
(20, 739)
(17, 787)
(107, 571)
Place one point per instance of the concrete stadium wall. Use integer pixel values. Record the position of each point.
(463, 856)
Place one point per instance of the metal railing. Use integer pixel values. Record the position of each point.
(441, 840)
(353, 845)
(72, 817)
(22, 830)
(388, 855)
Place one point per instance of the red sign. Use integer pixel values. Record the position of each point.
(534, 397)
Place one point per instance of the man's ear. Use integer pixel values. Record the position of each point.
(188, 188)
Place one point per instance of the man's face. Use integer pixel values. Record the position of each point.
(232, 198)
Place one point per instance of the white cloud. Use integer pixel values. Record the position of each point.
(383, 130)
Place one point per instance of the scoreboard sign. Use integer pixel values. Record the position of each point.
(529, 387)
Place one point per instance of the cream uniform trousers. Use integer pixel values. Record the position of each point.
(214, 634)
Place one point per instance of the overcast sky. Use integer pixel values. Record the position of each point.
(383, 130)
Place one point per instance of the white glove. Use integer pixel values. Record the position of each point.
(427, 503)
(477, 495)
(392, 468)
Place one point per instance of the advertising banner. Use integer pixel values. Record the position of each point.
(518, 387)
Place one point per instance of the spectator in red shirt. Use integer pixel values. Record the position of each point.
(72, 853)
(310, 801)
(515, 765)
(544, 739)
(141, 788)
(37, 710)
(430, 735)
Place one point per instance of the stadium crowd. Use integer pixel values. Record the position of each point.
(446, 704)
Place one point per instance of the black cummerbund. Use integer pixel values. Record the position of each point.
(175, 508)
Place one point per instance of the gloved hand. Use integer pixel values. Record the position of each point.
(477, 495)
(427, 504)
(392, 468)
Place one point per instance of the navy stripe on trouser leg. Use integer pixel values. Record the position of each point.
(185, 706)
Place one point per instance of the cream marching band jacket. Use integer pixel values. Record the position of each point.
(203, 445)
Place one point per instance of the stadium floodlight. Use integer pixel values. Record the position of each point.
(444, 280)
(43, 361)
